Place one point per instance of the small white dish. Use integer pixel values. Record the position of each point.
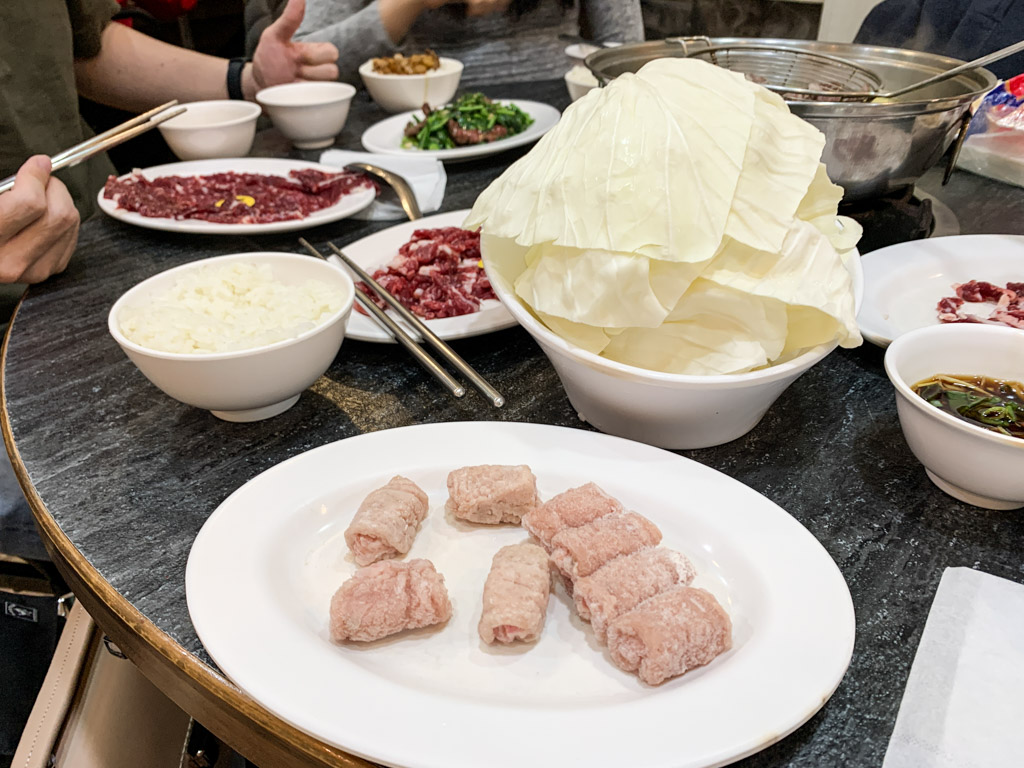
(272, 166)
(379, 249)
(311, 114)
(400, 93)
(221, 128)
(580, 81)
(903, 283)
(970, 463)
(268, 559)
(250, 384)
(386, 136)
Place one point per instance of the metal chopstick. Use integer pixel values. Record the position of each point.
(400, 335)
(478, 381)
(104, 141)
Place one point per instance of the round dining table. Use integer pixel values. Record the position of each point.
(121, 478)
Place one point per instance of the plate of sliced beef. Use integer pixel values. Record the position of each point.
(237, 196)
(387, 136)
(961, 279)
(434, 268)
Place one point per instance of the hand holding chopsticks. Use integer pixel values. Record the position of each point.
(495, 397)
(104, 141)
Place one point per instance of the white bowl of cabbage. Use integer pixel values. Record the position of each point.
(241, 335)
(674, 248)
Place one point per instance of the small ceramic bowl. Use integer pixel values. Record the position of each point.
(970, 463)
(580, 81)
(210, 129)
(249, 384)
(311, 114)
(668, 410)
(402, 93)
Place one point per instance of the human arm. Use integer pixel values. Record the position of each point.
(38, 225)
(362, 30)
(612, 20)
(136, 72)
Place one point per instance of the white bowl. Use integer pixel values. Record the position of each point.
(970, 463)
(580, 81)
(251, 384)
(311, 114)
(578, 52)
(401, 93)
(210, 129)
(664, 409)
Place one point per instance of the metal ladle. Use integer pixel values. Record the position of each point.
(406, 197)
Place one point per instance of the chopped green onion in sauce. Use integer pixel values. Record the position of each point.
(994, 404)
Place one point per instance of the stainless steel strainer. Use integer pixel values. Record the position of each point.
(794, 74)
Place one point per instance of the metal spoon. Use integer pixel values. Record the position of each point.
(396, 182)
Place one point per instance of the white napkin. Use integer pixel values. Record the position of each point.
(964, 702)
(425, 175)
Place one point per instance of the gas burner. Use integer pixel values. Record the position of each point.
(901, 216)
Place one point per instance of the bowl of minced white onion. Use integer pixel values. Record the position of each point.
(241, 335)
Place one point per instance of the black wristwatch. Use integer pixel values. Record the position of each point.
(235, 67)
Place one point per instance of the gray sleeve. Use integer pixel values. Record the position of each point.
(356, 31)
(612, 20)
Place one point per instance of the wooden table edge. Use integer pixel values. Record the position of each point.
(233, 716)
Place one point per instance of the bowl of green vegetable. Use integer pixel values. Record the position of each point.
(960, 399)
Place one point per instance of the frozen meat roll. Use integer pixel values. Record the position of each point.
(492, 493)
(388, 597)
(387, 521)
(670, 633)
(621, 585)
(516, 594)
(578, 552)
(570, 509)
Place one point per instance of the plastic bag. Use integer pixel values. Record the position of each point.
(995, 140)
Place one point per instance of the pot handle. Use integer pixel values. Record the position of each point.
(965, 123)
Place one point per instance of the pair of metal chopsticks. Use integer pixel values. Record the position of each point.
(104, 141)
(403, 338)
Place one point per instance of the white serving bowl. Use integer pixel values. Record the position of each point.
(311, 114)
(579, 81)
(209, 129)
(664, 409)
(251, 384)
(401, 93)
(970, 463)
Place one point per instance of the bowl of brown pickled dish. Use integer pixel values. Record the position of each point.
(398, 85)
(978, 462)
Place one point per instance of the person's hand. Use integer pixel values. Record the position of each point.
(278, 59)
(38, 225)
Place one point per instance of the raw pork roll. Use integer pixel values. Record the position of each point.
(578, 552)
(516, 594)
(673, 632)
(621, 585)
(387, 521)
(492, 493)
(388, 597)
(571, 509)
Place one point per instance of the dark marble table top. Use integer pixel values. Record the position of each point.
(130, 475)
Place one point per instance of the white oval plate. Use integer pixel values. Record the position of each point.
(903, 283)
(263, 568)
(378, 249)
(386, 136)
(273, 166)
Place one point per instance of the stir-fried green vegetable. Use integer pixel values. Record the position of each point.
(990, 403)
(471, 111)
